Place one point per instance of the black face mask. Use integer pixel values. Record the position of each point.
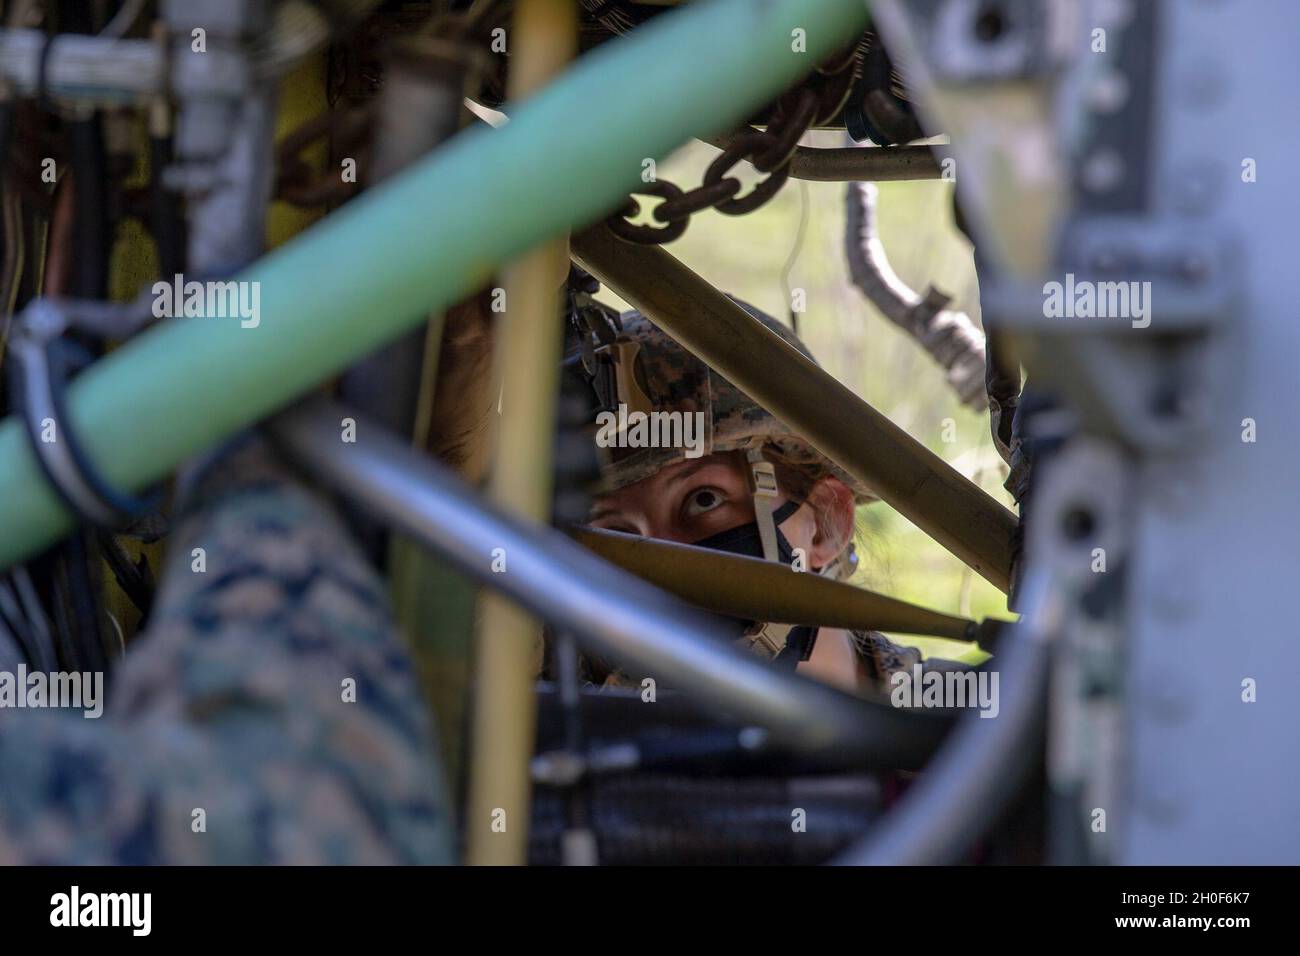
(745, 540)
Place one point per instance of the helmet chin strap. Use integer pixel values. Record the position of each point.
(763, 487)
(788, 644)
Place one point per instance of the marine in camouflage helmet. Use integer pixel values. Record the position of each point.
(655, 374)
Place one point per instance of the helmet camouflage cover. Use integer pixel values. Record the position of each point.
(671, 379)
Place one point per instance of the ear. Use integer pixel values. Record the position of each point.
(832, 503)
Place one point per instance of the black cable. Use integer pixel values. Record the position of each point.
(90, 225)
(672, 820)
(66, 647)
(77, 16)
(79, 643)
(6, 133)
(42, 74)
(875, 112)
(85, 616)
(33, 611)
(13, 622)
(165, 219)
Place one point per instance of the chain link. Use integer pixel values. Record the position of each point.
(816, 101)
(344, 131)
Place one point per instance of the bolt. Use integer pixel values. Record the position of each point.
(1103, 171)
(1109, 92)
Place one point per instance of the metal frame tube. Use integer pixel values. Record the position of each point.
(852, 164)
(92, 68)
(918, 483)
(864, 164)
(752, 588)
(421, 241)
(610, 611)
(508, 645)
(982, 764)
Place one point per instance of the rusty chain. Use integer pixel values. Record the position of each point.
(816, 101)
(345, 131)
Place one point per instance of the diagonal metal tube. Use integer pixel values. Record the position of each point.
(755, 589)
(918, 483)
(852, 164)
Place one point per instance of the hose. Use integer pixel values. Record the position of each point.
(951, 338)
(673, 820)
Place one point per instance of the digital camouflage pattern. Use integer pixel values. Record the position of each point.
(676, 381)
(232, 702)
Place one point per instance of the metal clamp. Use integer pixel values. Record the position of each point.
(763, 473)
(36, 391)
(765, 492)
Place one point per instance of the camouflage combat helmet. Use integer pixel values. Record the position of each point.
(666, 377)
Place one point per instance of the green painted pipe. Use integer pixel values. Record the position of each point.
(421, 241)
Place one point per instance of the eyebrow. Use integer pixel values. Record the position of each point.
(691, 469)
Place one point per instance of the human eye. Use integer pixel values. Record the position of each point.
(702, 500)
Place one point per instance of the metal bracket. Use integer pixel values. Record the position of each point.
(37, 390)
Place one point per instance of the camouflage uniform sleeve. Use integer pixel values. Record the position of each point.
(882, 659)
(271, 692)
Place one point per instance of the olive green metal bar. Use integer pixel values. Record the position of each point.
(421, 241)
(918, 483)
(508, 644)
(852, 164)
(761, 590)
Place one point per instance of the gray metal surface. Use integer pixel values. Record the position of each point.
(1169, 528)
(1210, 778)
(225, 144)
